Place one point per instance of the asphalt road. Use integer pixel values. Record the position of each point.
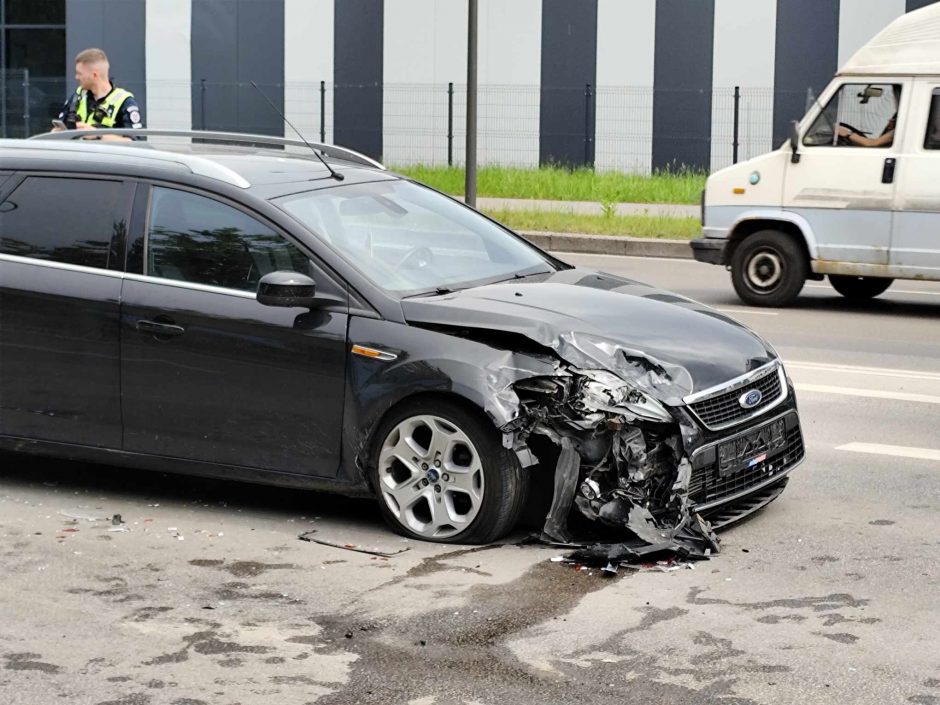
(828, 596)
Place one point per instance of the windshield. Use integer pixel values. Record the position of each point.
(409, 239)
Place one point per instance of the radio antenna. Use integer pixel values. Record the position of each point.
(333, 173)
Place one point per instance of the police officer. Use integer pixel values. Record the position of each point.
(97, 102)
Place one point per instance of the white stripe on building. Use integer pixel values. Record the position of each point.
(626, 38)
(860, 20)
(424, 48)
(168, 64)
(308, 59)
(745, 36)
(510, 65)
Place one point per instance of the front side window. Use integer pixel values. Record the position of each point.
(932, 138)
(858, 115)
(63, 220)
(196, 239)
(408, 239)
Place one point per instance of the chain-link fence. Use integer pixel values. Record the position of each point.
(609, 128)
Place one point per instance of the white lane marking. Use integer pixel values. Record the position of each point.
(897, 451)
(855, 369)
(747, 311)
(890, 291)
(869, 393)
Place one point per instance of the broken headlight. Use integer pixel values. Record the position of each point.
(605, 391)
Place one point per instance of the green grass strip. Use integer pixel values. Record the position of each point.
(558, 184)
(630, 225)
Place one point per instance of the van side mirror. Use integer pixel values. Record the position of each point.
(795, 142)
(287, 289)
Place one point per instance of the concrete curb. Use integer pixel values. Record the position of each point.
(610, 245)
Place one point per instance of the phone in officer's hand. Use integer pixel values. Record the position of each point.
(59, 124)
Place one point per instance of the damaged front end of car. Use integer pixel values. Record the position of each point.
(622, 463)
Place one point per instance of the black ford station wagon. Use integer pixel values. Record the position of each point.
(262, 309)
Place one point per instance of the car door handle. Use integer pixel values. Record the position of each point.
(887, 174)
(158, 328)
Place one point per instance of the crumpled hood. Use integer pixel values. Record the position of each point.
(668, 345)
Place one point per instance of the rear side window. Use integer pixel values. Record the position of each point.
(932, 138)
(63, 220)
(196, 239)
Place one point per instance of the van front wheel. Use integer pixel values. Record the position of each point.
(859, 288)
(768, 269)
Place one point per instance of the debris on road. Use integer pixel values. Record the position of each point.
(357, 548)
(83, 516)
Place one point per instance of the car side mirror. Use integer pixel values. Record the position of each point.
(795, 142)
(287, 289)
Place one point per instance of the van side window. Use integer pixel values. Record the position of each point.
(858, 115)
(196, 239)
(63, 220)
(932, 138)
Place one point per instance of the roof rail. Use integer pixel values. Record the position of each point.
(200, 166)
(329, 150)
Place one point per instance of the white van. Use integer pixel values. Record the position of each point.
(854, 193)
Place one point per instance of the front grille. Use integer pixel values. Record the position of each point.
(724, 409)
(708, 486)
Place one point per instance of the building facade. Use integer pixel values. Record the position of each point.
(629, 85)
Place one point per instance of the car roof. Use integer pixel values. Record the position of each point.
(267, 166)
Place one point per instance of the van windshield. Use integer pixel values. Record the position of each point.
(409, 239)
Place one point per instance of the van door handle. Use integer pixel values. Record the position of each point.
(158, 328)
(887, 174)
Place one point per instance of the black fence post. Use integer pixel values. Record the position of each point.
(588, 93)
(322, 111)
(202, 104)
(450, 124)
(737, 123)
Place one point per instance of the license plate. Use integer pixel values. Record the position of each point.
(752, 448)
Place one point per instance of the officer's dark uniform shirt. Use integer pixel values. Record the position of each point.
(127, 116)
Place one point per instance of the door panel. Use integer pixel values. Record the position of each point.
(916, 242)
(59, 367)
(243, 384)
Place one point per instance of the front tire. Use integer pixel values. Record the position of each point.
(859, 288)
(441, 474)
(769, 268)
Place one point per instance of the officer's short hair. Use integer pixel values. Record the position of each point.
(91, 57)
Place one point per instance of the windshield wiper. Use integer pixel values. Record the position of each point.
(517, 276)
(438, 291)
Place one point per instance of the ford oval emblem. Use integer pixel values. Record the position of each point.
(751, 399)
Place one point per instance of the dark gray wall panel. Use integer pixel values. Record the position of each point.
(235, 42)
(917, 4)
(357, 74)
(117, 27)
(807, 56)
(682, 102)
(569, 64)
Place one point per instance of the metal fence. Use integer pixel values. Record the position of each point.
(611, 128)
(28, 103)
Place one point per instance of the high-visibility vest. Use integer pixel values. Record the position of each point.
(107, 111)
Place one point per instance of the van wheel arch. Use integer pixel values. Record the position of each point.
(749, 227)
